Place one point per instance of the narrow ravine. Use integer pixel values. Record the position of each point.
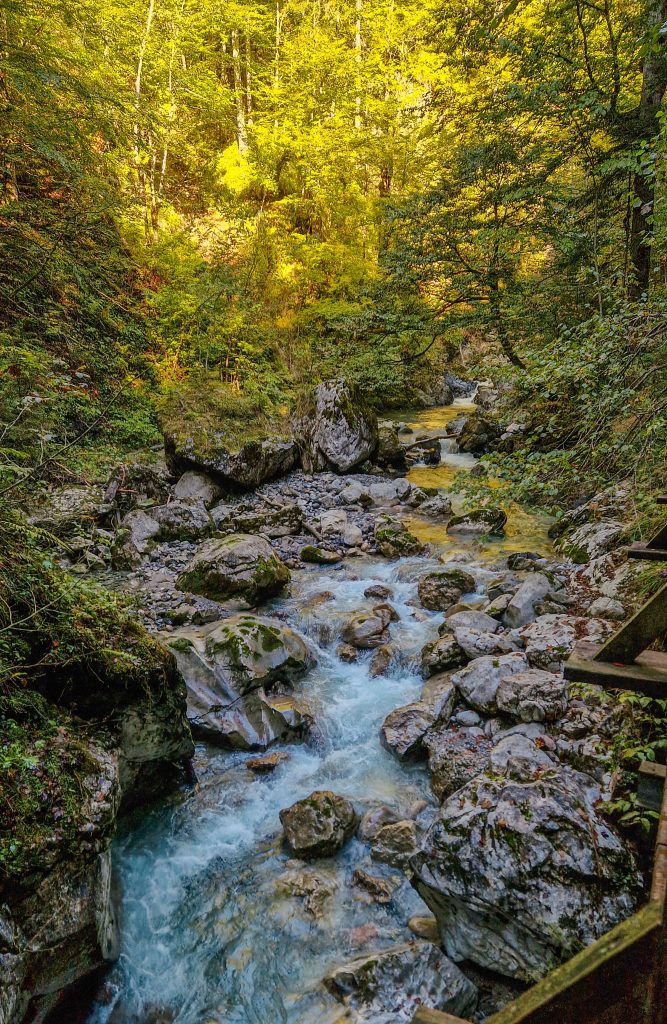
(217, 923)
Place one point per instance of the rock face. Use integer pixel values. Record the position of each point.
(455, 757)
(335, 429)
(228, 667)
(521, 871)
(591, 540)
(318, 826)
(242, 468)
(480, 520)
(390, 986)
(440, 590)
(237, 566)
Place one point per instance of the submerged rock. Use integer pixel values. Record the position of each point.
(521, 871)
(390, 986)
(319, 825)
(335, 429)
(237, 566)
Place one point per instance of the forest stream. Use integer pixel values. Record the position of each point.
(217, 923)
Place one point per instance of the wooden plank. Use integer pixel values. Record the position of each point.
(640, 549)
(659, 540)
(639, 632)
(661, 499)
(651, 785)
(648, 675)
(426, 1016)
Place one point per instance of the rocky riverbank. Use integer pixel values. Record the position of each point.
(289, 583)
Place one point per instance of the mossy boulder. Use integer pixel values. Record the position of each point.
(238, 465)
(229, 667)
(240, 565)
(478, 434)
(395, 540)
(479, 521)
(317, 555)
(318, 826)
(335, 428)
(440, 590)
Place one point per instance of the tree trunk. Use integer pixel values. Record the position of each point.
(241, 133)
(138, 81)
(248, 81)
(500, 325)
(357, 57)
(654, 83)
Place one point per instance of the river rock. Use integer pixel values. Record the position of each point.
(437, 507)
(134, 539)
(389, 492)
(395, 540)
(378, 591)
(390, 986)
(240, 654)
(314, 889)
(319, 825)
(375, 819)
(237, 566)
(441, 655)
(404, 729)
(67, 511)
(427, 450)
(521, 607)
(335, 428)
(479, 520)
(475, 621)
(533, 696)
(606, 608)
(550, 639)
(455, 757)
(333, 520)
(523, 872)
(381, 661)
(356, 493)
(317, 555)
(271, 522)
(200, 486)
(243, 467)
(478, 434)
(478, 683)
(390, 452)
(367, 630)
(477, 645)
(394, 844)
(182, 520)
(380, 889)
(439, 590)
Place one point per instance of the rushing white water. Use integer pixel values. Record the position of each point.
(210, 929)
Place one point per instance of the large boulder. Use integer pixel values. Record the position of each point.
(521, 607)
(395, 540)
(521, 870)
(479, 521)
(182, 519)
(390, 986)
(241, 565)
(440, 590)
(404, 729)
(241, 466)
(335, 428)
(319, 825)
(533, 696)
(441, 655)
(134, 539)
(192, 485)
(68, 510)
(478, 683)
(591, 540)
(390, 452)
(478, 434)
(228, 667)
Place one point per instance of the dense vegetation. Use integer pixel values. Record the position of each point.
(265, 193)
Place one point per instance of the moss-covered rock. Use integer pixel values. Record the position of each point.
(319, 825)
(240, 565)
(440, 590)
(479, 520)
(395, 540)
(317, 555)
